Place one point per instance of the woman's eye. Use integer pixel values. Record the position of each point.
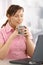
(21, 15)
(16, 16)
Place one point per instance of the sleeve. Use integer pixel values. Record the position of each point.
(1, 38)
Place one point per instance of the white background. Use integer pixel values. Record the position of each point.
(31, 14)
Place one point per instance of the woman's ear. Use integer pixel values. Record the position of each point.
(8, 16)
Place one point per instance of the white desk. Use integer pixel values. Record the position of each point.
(6, 62)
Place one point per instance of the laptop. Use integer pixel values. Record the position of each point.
(37, 55)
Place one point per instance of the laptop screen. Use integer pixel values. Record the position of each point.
(38, 53)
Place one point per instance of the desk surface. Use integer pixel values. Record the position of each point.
(6, 62)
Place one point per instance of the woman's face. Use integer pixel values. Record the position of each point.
(16, 19)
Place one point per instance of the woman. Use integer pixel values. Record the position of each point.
(13, 45)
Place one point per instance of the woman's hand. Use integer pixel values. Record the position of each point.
(15, 33)
(26, 32)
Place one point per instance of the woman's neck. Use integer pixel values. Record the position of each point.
(12, 25)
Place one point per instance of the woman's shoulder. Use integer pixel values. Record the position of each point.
(2, 29)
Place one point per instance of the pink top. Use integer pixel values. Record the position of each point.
(18, 45)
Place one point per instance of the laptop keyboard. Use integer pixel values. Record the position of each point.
(21, 61)
(25, 61)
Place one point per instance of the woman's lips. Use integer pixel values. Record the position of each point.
(18, 22)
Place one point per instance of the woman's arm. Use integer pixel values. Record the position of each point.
(29, 42)
(30, 46)
(5, 48)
